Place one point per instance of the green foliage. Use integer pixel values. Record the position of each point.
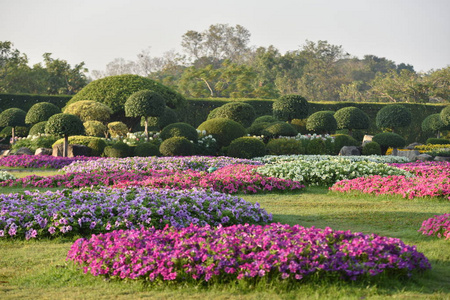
(26, 101)
(437, 141)
(179, 129)
(357, 134)
(393, 116)
(316, 146)
(97, 146)
(279, 129)
(240, 112)
(341, 140)
(433, 123)
(158, 123)
(445, 115)
(117, 129)
(40, 112)
(299, 125)
(371, 148)
(95, 128)
(20, 131)
(145, 103)
(38, 128)
(176, 146)
(265, 119)
(258, 128)
(146, 149)
(34, 143)
(12, 117)
(389, 139)
(89, 110)
(285, 146)
(77, 140)
(351, 118)
(64, 125)
(290, 107)
(223, 130)
(321, 122)
(119, 149)
(246, 147)
(115, 90)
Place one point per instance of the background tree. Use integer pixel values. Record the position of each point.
(40, 112)
(321, 122)
(64, 125)
(351, 118)
(392, 117)
(290, 107)
(12, 117)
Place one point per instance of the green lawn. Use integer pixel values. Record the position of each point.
(38, 270)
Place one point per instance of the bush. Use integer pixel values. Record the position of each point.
(146, 149)
(64, 125)
(393, 116)
(20, 131)
(433, 123)
(299, 125)
(119, 149)
(290, 107)
(357, 134)
(279, 129)
(95, 128)
(371, 148)
(34, 143)
(223, 130)
(89, 110)
(179, 129)
(38, 128)
(445, 115)
(246, 147)
(97, 146)
(321, 122)
(158, 123)
(12, 117)
(258, 128)
(316, 146)
(41, 112)
(436, 141)
(285, 147)
(176, 146)
(117, 129)
(240, 112)
(341, 140)
(265, 119)
(351, 118)
(389, 139)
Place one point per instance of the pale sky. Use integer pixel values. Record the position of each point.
(415, 32)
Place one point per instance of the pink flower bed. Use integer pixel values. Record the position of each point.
(275, 251)
(230, 179)
(437, 226)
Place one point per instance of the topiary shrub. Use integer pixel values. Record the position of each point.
(316, 147)
(146, 149)
(393, 116)
(223, 130)
(290, 107)
(357, 134)
(176, 146)
(64, 125)
(279, 129)
(371, 148)
(389, 139)
(265, 119)
(117, 129)
(41, 112)
(97, 146)
(38, 128)
(285, 147)
(119, 149)
(445, 115)
(351, 118)
(437, 141)
(246, 147)
(258, 128)
(321, 122)
(12, 117)
(89, 110)
(240, 112)
(299, 125)
(20, 131)
(341, 140)
(179, 129)
(158, 123)
(95, 128)
(434, 124)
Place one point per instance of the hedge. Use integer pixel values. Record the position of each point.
(25, 101)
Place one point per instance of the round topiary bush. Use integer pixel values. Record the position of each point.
(279, 129)
(258, 128)
(146, 149)
(341, 140)
(299, 125)
(246, 147)
(179, 129)
(97, 146)
(240, 112)
(158, 123)
(371, 148)
(64, 125)
(115, 90)
(41, 112)
(117, 129)
(393, 116)
(119, 149)
(38, 128)
(389, 139)
(321, 122)
(316, 147)
(223, 130)
(89, 110)
(265, 119)
(285, 147)
(445, 115)
(177, 146)
(290, 107)
(351, 118)
(95, 128)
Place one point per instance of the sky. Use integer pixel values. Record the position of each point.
(95, 32)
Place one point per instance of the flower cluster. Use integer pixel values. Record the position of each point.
(230, 179)
(438, 226)
(243, 251)
(6, 176)
(85, 212)
(41, 161)
(274, 159)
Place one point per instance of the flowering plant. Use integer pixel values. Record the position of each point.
(40, 161)
(6, 176)
(438, 226)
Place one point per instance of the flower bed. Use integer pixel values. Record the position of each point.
(275, 159)
(437, 226)
(41, 161)
(36, 214)
(6, 176)
(274, 251)
(230, 179)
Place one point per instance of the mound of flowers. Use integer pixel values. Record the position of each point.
(6, 176)
(41, 161)
(36, 214)
(230, 179)
(275, 159)
(437, 226)
(430, 180)
(273, 251)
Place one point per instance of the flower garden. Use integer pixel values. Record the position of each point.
(188, 220)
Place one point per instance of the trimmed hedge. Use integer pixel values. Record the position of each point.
(26, 101)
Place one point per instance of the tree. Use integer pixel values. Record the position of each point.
(445, 115)
(433, 123)
(12, 117)
(64, 125)
(289, 107)
(89, 110)
(321, 122)
(389, 139)
(145, 104)
(393, 116)
(351, 118)
(40, 112)
(439, 82)
(14, 71)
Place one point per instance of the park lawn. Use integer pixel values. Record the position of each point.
(37, 269)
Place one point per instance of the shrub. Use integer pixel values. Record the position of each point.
(176, 146)
(89, 110)
(12, 117)
(445, 115)
(290, 107)
(341, 140)
(371, 148)
(38, 128)
(279, 129)
(351, 118)
(240, 112)
(258, 128)
(285, 146)
(95, 128)
(117, 129)
(389, 139)
(41, 112)
(160, 122)
(119, 149)
(34, 142)
(179, 129)
(316, 146)
(321, 122)
(97, 146)
(433, 123)
(393, 116)
(299, 125)
(20, 131)
(223, 130)
(246, 147)
(146, 149)
(265, 119)
(436, 141)
(64, 125)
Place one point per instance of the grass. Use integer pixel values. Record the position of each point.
(38, 270)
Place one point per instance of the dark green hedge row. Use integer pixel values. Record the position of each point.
(25, 101)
